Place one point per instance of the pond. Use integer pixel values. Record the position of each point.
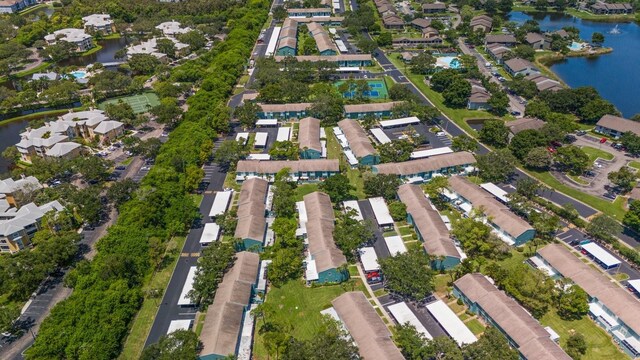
(9, 135)
(105, 55)
(616, 75)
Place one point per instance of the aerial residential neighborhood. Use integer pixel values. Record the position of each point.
(322, 179)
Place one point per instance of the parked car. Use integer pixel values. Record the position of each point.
(516, 113)
(120, 167)
(603, 140)
(581, 132)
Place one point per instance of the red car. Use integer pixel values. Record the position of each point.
(603, 140)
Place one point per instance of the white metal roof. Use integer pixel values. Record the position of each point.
(220, 203)
(399, 122)
(341, 46)
(353, 205)
(451, 323)
(311, 273)
(635, 284)
(431, 152)
(381, 211)
(380, 135)
(348, 69)
(351, 158)
(369, 259)
(259, 157)
(403, 314)
(337, 130)
(343, 140)
(542, 266)
(395, 245)
(601, 254)
(243, 136)
(188, 286)
(261, 139)
(284, 134)
(176, 325)
(323, 133)
(273, 41)
(496, 191)
(267, 122)
(552, 334)
(262, 275)
(302, 212)
(210, 233)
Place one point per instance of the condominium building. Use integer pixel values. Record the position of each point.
(77, 37)
(99, 22)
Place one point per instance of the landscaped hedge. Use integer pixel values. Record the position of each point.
(93, 322)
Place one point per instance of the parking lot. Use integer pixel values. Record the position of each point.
(435, 140)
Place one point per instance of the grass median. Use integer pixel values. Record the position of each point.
(144, 320)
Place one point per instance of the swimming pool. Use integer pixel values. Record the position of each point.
(576, 46)
(448, 62)
(79, 74)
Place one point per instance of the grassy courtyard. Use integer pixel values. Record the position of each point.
(594, 153)
(298, 307)
(599, 343)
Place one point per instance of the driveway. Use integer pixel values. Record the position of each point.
(514, 102)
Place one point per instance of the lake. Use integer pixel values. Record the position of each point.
(9, 135)
(616, 76)
(105, 55)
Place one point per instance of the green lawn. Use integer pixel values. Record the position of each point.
(457, 115)
(147, 314)
(475, 326)
(634, 164)
(389, 233)
(599, 343)
(335, 152)
(298, 307)
(594, 153)
(305, 189)
(405, 230)
(615, 209)
(578, 179)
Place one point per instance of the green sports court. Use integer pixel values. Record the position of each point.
(377, 90)
(139, 103)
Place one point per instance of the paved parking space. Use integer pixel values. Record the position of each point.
(380, 246)
(144, 170)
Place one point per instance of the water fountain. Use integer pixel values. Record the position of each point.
(615, 30)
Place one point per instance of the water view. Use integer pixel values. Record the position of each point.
(616, 75)
(105, 55)
(9, 135)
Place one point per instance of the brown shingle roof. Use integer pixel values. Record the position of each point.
(619, 124)
(533, 38)
(392, 19)
(273, 166)
(330, 58)
(500, 38)
(223, 323)
(437, 240)
(320, 226)
(309, 134)
(434, 6)
(358, 140)
(251, 210)
(498, 212)
(323, 41)
(518, 125)
(284, 107)
(615, 298)
(366, 328)
(433, 163)
(531, 339)
(421, 22)
(518, 64)
(481, 20)
(373, 107)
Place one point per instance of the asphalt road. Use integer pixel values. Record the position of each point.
(169, 309)
(380, 246)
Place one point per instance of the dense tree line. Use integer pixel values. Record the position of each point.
(94, 320)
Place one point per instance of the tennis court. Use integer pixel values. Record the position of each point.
(139, 103)
(377, 90)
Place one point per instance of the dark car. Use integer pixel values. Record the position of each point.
(570, 139)
(574, 242)
(581, 132)
(120, 167)
(516, 113)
